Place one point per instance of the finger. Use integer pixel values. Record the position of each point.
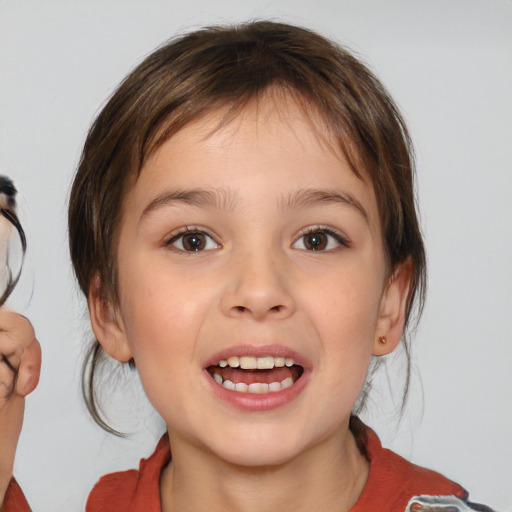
(16, 325)
(5, 359)
(7, 382)
(16, 334)
(29, 369)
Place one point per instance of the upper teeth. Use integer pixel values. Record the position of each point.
(256, 363)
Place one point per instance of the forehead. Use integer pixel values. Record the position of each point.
(274, 107)
(274, 144)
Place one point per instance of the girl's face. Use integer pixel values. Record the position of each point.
(251, 245)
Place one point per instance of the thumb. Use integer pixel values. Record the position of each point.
(29, 369)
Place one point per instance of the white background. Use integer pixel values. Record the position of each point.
(448, 63)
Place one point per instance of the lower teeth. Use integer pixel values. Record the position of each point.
(255, 387)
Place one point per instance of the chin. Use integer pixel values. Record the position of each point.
(257, 450)
(258, 458)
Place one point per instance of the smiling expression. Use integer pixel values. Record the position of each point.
(250, 245)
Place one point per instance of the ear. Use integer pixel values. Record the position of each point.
(106, 324)
(390, 324)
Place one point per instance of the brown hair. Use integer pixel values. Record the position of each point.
(229, 66)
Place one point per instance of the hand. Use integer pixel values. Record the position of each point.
(20, 364)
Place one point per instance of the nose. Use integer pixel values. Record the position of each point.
(257, 289)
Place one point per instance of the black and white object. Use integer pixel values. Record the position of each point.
(9, 223)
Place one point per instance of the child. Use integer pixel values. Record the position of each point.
(243, 225)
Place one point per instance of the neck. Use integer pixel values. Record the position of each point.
(329, 477)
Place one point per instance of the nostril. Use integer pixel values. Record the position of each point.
(243, 309)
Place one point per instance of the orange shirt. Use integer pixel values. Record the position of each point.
(14, 500)
(392, 482)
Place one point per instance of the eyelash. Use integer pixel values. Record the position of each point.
(340, 239)
(188, 230)
(194, 230)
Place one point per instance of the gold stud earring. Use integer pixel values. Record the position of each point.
(383, 340)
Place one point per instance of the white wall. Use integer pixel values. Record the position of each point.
(449, 65)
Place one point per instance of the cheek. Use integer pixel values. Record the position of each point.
(345, 315)
(160, 314)
(164, 312)
(160, 321)
(348, 304)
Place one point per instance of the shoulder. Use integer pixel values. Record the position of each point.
(113, 492)
(14, 500)
(402, 486)
(124, 490)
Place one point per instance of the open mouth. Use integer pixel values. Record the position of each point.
(248, 374)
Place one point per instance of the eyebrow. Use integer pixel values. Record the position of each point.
(314, 197)
(204, 198)
(226, 199)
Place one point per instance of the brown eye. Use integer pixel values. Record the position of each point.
(315, 241)
(321, 239)
(193, 241)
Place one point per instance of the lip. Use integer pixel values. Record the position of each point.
(255, 401)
